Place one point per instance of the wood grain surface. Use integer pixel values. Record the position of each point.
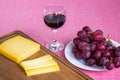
(9, 70)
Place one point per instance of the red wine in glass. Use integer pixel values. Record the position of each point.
(54, 20)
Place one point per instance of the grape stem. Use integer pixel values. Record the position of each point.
(108, 38)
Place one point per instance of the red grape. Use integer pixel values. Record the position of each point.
(81, 44)
(75, 49)
(86, 47)
(78, 55)
(107, 54)
(101, 46)
(110, 47)
(91, 62)
(87, 29)
(99, 32)
(117, 64)
(97, 36)
(86, 38)
(97, 54)
(118, 47)
(117, 59)
(104, 60)
(109, 65)
(86, 54)
(81, 34)
(117, 52)
(76, 41)
(93, 46)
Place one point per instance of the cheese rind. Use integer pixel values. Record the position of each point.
(43, 70)
(18, 48)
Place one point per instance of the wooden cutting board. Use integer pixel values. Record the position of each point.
(9, 70)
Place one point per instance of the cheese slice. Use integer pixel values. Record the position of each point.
(43, 70)
(18, 48)
(42, 61)
(46, 57)
(39, 65)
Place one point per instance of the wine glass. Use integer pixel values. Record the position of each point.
(54, 18)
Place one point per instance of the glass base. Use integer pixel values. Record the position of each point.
(55, 46)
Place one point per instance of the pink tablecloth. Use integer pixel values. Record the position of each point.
(27, 16)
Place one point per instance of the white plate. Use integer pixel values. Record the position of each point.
(80, 63)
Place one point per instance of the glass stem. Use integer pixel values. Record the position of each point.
(54, 31)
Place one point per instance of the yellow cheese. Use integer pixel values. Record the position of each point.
(36, 60)
(39, 65)
(18, 48)
(42, 61)
(43, 70)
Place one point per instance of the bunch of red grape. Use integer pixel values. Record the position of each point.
(95, 49)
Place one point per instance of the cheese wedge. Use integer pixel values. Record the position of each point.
(43, 70)
(18, 48)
